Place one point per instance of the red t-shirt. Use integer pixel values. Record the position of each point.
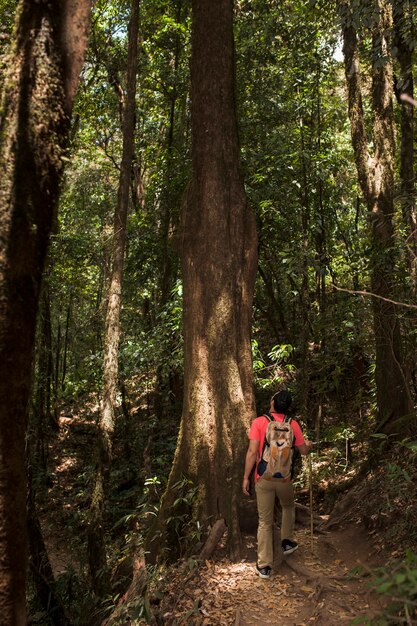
(258, 429)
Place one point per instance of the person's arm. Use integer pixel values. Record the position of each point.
(305, 447)
(250, 461)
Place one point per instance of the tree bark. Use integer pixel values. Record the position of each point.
(219, 253)
(376, 178)
(37, 98)
(96, 541)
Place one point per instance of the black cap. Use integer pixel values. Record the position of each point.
(282, 401)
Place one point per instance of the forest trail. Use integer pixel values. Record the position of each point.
(306, 588)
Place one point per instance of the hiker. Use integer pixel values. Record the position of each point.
(279, 484)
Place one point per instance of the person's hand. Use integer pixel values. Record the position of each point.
(309, 444)
(245, 486)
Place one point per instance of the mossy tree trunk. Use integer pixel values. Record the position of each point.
(38, 92)
(96, 539)
(376, 178)
(219, 254)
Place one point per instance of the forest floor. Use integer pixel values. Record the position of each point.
(326, 585)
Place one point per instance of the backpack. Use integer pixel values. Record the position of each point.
(277, 453)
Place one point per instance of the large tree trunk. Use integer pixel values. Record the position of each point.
(376, 178)
(96, 542)
(38, 93)
(218, 267)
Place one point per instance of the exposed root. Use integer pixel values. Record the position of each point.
(322, 584)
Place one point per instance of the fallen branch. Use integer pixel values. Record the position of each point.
(216, 533)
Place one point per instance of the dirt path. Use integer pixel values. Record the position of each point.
(306, 588)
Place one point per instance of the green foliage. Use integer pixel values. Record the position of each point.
(279, 370)
(312, 229)
(72, 588)
(160, 346)
(338, 433)
(398, 581)
(182, 522)
(7, 17)
(133, 612)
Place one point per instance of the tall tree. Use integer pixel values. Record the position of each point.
(38, 94)
(96, 543)
(376, 179)
(218, 244)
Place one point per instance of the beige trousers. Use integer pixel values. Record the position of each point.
(266, 492)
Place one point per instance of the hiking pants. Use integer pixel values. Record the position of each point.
(266, 492)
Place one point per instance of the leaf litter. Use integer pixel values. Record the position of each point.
(304, 589)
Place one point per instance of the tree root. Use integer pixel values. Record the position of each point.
(322, 583)
(341, 508)
(302, 516)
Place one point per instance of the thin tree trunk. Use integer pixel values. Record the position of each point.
(402, 20)
(66, 341)
(304, 290)
(169, 216)
(274, 309)
(47, 338)
(56, 368)
(39, 415)
(376, 178)
(321, 242)
(96, 542)
(40, 565)
(38, 92)
(218, 266)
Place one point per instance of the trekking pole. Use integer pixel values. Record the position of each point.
(310, 488)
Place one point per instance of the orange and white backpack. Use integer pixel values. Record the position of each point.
(277, 454)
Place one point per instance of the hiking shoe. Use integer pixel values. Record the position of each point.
(263, 572)
(289, 546)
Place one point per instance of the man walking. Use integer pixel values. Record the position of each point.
(268, 487)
